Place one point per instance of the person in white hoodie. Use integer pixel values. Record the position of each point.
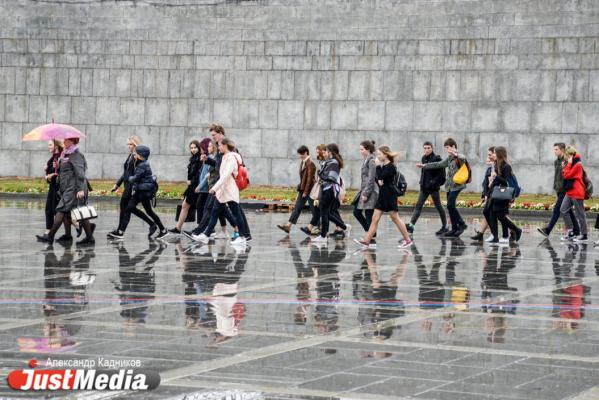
(227, 193)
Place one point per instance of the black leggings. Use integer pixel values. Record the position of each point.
(147, 205)
(505, 223)
(364, 217)
(488, 213)
(125, 199)
(329, 210)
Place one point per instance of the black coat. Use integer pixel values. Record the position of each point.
(128, 170)
(502, 179)
(431, 180)
(486, 190)
(193, 170)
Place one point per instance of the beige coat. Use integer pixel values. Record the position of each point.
(225, 188)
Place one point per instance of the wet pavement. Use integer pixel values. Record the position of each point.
(282, 319)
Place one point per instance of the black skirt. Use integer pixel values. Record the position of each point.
(191, 197)
(387, 200)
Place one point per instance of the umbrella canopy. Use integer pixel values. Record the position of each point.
(53, 132)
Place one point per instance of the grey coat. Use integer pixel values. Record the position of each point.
(452, 168)
(368, 186)
(71, 179)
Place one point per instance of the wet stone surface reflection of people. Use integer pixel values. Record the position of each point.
(286, 317)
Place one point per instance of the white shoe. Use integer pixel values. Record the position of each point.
(201, 238)
(240, 240)
(318, 239)
(221, 235)
(212, 235)
(504, 240)
(489, 239)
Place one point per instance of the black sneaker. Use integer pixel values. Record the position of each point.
(478, 236)
(109, 234)
(284, 227)
(116, 234)
(462, 229)
(248, 238)
(442, 231)
(187, 234)
(543, 231)
(306, 230)
(65, 239)
(174, 231)
(162, 234)
(44, 239)
(452, 233)
(339, 234)
(410, 227)
(153, 228)
(88, 240)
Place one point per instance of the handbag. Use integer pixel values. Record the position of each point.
(84, 212)
(461, 177)
(191, 215)
(502, 193)
(315, 192)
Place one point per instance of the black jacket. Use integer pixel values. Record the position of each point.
(128, 170)
(431, 180)
(502, 179)
(486, 189)
(193, 170)
(53, 182)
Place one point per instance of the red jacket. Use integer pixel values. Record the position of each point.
(573, 170)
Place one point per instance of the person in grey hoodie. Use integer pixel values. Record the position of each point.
(453, 163)
(365, 199)
(143, 185)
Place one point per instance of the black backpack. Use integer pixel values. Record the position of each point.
(155, 189)
(400, 184)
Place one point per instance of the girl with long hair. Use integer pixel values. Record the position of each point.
(386, 172)
(501, 176)
(330, 188)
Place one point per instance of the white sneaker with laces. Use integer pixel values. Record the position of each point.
(201, 238)
(239, 240)
(221, 235)
(318, 239)
(489, 239)
(504, 240)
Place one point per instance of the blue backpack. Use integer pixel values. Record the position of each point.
(513, 182)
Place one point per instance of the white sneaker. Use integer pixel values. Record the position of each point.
(489, 239)
(212, 235)
(239, 240)
(201, 238)
(504, 240)
(221, 235)
(318, 239)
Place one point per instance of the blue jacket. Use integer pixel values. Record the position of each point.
(203, 182)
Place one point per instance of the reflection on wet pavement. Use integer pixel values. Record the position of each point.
(283, 319)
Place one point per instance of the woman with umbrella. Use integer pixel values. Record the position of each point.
(72, 184)
(51, 169)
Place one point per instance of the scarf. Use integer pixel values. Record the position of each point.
(67, 152)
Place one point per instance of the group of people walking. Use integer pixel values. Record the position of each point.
(213, 192)
(321, 187)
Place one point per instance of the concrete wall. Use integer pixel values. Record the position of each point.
(277, 74)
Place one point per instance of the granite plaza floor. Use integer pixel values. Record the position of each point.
(283, 319)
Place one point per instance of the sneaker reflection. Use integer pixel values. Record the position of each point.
(211, 276)
(137, 284)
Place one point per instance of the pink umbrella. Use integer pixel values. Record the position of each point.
(53, 131)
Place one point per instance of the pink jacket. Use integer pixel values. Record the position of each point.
(225, 188)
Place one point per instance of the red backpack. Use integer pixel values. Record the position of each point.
(242, 180)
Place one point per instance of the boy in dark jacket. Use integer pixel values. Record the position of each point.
(143, 185)
(431, 181)
(307, 173)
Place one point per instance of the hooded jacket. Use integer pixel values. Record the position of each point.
(142, 180)
(453, 164)
(574, 171)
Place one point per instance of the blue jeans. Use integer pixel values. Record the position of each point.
(219, 209)
(454, 215)
(556, 214)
